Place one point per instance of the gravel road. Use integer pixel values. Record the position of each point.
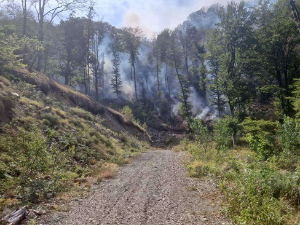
(155, 189)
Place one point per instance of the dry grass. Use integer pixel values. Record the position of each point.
(27, 101)
(108, 171)
(59, 112)
(5, 81)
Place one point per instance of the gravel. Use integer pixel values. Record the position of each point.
(155, 189)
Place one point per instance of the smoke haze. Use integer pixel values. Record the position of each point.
(151, 16)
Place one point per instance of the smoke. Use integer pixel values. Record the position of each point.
(150, 16)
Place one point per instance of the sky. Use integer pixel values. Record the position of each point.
(152, 16)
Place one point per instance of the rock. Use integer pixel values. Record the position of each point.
(39, 213)
(14, 94)
(47, 109)
(49, 195)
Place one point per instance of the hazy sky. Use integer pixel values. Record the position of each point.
(150, 15)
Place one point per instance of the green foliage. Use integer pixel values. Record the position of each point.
(260, 134)
(289, 135)
(251, 197)
(127, 112)
(11, 46)
(225, 132)
(50, 120)
(202, 135)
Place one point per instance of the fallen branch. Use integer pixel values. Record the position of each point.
(16, 217)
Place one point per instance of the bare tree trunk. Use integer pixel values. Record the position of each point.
(41, 31)
(136, 97)
(24, 7)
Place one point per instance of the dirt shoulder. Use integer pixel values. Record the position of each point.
(154, 189)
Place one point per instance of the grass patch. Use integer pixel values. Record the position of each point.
(26, 101)
(82, 113)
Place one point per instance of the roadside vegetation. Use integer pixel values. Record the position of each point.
(50, 146)
(259, 175)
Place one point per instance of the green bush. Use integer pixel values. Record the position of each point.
(255, 197)
(202, 135)
(225, 132)
(289, 132)
(50, 120)
(261, 136)
(127, 112)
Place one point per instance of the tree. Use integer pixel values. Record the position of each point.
(116, 81)
(131, 41)
(99, 32)
(236, 31)
(200, 54)
(163, 42)
(73, 51)
(213, 58)
(49, 10)
(176, 61)
(277, 51)
(155, 61)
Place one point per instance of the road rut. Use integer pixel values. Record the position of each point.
(154, 189)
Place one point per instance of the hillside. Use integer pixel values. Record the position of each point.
(52, 137)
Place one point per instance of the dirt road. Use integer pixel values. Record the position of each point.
(155, 190)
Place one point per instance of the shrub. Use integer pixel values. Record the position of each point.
(289, 132)
(260, 135)
(225, 132)
(50, 120)
(127, 112)
(202, 135)
(251, 198)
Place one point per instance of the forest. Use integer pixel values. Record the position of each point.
(228, 76)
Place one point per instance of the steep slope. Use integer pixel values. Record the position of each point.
(52, 137)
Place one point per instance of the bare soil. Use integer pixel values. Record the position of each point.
(155, 189)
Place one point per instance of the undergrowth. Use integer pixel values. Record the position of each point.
(260, 177)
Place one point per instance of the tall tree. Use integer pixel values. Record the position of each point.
(49, 10)
(116, 81)
(99, 32)
(163, 41)
(176, 61)
(236, 30)
(213, 58)
(277, 50)
(131, 41)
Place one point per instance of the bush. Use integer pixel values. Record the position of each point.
(251, 197)
(202, 135)
(225, 132)
(127, 112)
(261, 136)
(289, 132)
(50, 120)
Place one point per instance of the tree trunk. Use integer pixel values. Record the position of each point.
(41, 31)
(136, 97)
